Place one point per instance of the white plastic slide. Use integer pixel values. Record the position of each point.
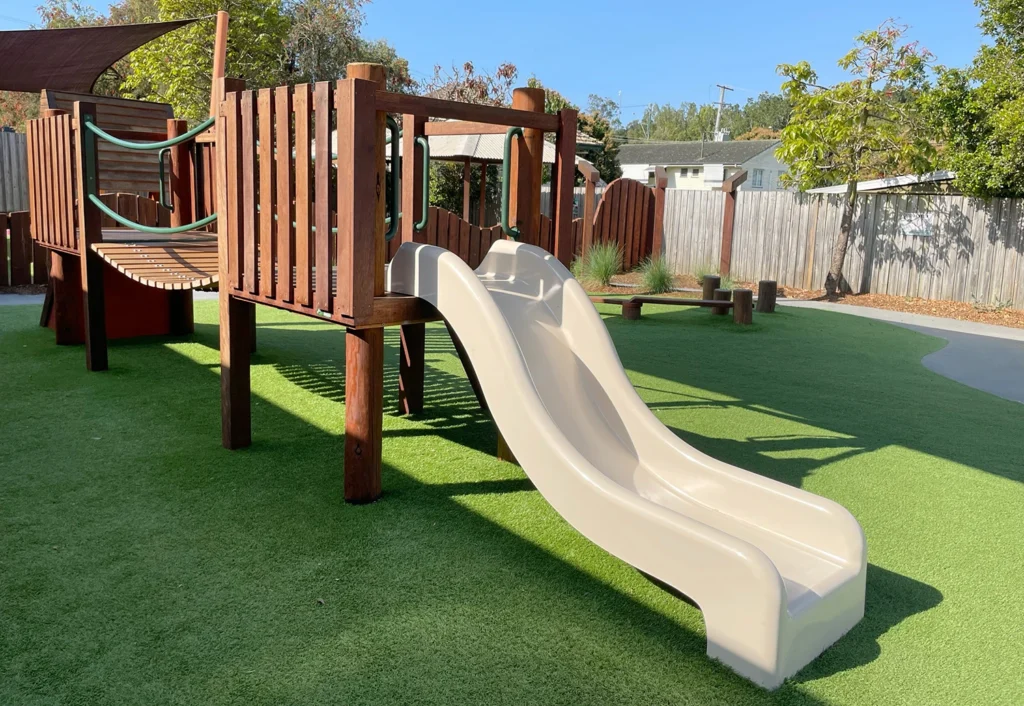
(779, 573)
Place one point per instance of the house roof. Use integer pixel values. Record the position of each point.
(731, 152)
(889, 182)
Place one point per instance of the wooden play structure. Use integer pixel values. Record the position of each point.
(122, 263)
(299, 236)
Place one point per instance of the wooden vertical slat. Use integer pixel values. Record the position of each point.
(285, 193)
(231, 144)
(247, 174)
(29, 140)
(70, 212)
(303, 196)
(442, 229)
(474, 246)
(464, 233)
(322, 185)
(21, 250)
(268, 244)
(454, 229)
(49, 190)
(432, 227)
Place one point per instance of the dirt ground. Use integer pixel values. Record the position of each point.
(24, 289)
(1000, 316)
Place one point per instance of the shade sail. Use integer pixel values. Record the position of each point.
(70, 59)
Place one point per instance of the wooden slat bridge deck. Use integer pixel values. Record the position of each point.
(184, 261)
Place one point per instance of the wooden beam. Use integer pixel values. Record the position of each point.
(562, 182)
(482, 222)
(436, 108)
(412, 176)
(660, 182)
(181, 313)
(90, 231)
(364, 413)
(467, 189)
(463, 127)
(220, 53)
(527, 165)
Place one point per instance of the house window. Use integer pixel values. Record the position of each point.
(757, 179)
(695, 172)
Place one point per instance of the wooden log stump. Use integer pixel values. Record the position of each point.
(743, 306)
(723, 295)
(709, 284)
(767, 291)
(631, 311)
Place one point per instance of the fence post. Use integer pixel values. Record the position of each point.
(660, 182)
(729, 186)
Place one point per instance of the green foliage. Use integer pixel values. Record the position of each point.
(323, 39)
(597, 267)
(177, 68)
(656, 275)
(872, 125)
(703, 269)
(978, 112)
(691, 121)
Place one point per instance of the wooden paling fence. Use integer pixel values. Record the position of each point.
(936, 247)
(13, 173)
(21, 260)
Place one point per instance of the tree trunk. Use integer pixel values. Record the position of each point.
(835, 271)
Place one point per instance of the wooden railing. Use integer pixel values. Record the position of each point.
(303, 236)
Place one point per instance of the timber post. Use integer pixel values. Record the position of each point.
(412, 337)
(181, 315)
(90, 231)
(767, 292)
(729, 186)
(526, 170)
(236, 315)
(562, 180)
(590, 175)
(364, 348)
(743, 306)
(658, 236)
(708, 286)
(723, 295)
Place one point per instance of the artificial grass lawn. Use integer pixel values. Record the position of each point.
(140, 563)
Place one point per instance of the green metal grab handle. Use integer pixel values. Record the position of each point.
(157, 230)
(425, 146)
(163, 175)
(184, 137)
(395, 205)
(506, 177)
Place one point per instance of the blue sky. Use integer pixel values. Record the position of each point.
(667, 51)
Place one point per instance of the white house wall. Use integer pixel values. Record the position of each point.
(771, 169)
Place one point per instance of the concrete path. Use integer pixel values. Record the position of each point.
(982, 356)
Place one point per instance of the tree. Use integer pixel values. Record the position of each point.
(467, 85)
(177, 67)
(978, 112)
(323, 39)
(601, 121)
(872, 125)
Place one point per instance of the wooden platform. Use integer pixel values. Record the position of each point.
(179, 262)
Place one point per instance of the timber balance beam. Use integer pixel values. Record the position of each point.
(741, 303)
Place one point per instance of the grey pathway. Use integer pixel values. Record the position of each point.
(983, 356)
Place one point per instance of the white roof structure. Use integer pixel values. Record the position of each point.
(889, 182)
(459, 148)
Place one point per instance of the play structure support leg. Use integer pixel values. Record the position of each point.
(527, 166)
(411, 366)
(767, 292)
(180, 312)
(364, 413)
(66, 283)
(236, 316)
(708, 286)
(721, 295)
(743, 306)
(89, 232)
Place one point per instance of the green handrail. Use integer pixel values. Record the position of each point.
(395, 181)
(184, 137)
(425, 146)
(506, 177)
(163, 193)
(157, 230)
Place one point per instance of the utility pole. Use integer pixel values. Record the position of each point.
(721, 104)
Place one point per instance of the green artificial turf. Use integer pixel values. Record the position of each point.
(141, 563)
